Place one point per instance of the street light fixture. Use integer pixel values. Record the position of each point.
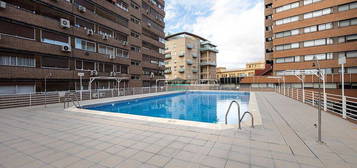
(317, 64)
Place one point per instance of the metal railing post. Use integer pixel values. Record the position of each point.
(30, 99)
(344, 110)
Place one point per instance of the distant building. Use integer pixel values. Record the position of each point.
(233, 76)
(189, 58)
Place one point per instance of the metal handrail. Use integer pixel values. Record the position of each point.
(71, 99)
(229, 108)
(251, 115)
(239, 118)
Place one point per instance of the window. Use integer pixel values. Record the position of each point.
(135, 48)
(287, 46)
(287, 20)
(317, 13)
(55, 62)
(122, 53)
(310, 29)
(352, 70)
(348, 22)
(17, 30)
(134, 5)
(287, 7)
(346, 7)
(351, 54)
(107, 50)
(85, 45)
(54, 38)
(324, 26)
(17, 61)
(135, 20)
(307, 2)
(317, 42)
(135, 34)
(348, 38)
(324, 56)
(287, 33)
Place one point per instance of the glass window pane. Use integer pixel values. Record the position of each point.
(343, 8)
(344, 23)
(353, 5)
(326, 11)
(307, 15)
(351, 54)
(294, 32)
(354, 22)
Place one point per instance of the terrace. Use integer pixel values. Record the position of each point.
(36, 136)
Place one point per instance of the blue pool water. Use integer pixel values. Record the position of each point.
(209, 107)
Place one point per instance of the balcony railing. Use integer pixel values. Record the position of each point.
(189, 62)
(206, 48)
(211, 63)
(168, 56)
(181, 70)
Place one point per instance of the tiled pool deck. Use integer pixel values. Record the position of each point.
(35, 137)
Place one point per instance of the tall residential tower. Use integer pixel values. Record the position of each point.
(299, 31)
(51, 41)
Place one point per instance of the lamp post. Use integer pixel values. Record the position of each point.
(47, 76)
(342, 61)
(319, 106)
(81, 74)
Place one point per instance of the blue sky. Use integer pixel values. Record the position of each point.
(236, 26)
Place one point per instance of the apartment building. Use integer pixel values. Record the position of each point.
(299, 32)
(53, 42)
(190, 58)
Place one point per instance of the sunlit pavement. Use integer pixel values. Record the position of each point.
(35, 137)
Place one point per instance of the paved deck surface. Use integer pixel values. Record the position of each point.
(35, 137)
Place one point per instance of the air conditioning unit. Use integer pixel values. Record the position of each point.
(149, 24)
(125, 43)
(82, 9)
(113, 74)
(111, 57)
(65, 23)
(93, 73)
(66, 48)
(147, 11)
(2, 4)
(105, 37)
(90, 32)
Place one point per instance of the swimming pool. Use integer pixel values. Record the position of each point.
(208, 106)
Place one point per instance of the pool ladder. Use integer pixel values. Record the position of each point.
(239, 118)
(72, 97)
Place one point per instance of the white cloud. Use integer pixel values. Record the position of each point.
(237, 28)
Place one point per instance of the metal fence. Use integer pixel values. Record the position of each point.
(345, 106)
(42, 98)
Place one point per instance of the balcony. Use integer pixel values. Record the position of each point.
(167, 56)
(181, 55)
(194, 55)
(181, 70)
(208, 63)
(189, 62)
(189, 46)
(168, 71)
(194, 70)
(207, 48)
